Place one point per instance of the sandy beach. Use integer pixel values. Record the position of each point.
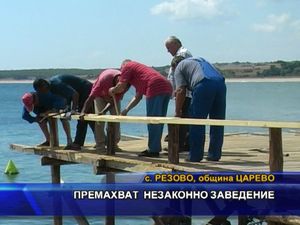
(228, 80)
(6, 81)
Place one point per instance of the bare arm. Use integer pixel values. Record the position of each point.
(134, 101)
(119, 88)
(87, 104)
(180, 97)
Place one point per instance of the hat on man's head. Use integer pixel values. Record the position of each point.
(28, 101)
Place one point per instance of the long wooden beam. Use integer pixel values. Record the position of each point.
(188, 121)
(117, 162)
(55, 175)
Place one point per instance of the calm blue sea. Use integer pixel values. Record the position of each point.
(252, 101)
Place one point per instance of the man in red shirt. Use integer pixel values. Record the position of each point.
(103, 102)
(157, 90)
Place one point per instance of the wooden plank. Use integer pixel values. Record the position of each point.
(54, 141)
(116, 162)
(111, 139)
(242, 220)
(288, 220)
(135, 165)
(241, 152)
(122, 162)
(109, 219)
(275, 158)
(22, 148)
(99, 166)
(55, 175)
(46, 161)
(173, 143)
(275, 154)
(188, 121)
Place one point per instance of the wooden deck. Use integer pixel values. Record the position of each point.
(274, 152)
(241, 152)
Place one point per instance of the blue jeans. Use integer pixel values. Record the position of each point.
(156, 106)
(208, 99)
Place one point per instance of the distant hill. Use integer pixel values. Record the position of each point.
(266, 69)
(46, 73)
(230, 70)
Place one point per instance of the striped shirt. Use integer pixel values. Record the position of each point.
(104, 82)
(146, 80)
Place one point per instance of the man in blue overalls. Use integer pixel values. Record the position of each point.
(208, 99)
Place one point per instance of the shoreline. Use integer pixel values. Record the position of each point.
(269, 79)
(228, 80)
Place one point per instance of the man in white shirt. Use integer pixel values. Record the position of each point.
(175, 48)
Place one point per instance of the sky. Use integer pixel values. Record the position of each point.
(39, 34)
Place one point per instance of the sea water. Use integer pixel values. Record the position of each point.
(276, 101)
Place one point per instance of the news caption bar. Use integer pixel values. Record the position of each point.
(182, 194)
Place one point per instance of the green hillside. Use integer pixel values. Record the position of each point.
(230, 70)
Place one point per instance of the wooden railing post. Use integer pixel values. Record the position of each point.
(275, 154)
(111, 138)
(173, 143)
(110, 219)
(55, 175)
(242, 220)
(54, 140)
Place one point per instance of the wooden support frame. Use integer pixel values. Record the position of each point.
(173, 143)
(56, 178)
(275, 155)
(275, 146)
(242, 220)
(55, 175)
(110, 220)
(111, 138)
(55, 168)
(100, 167)
(47, 161)
(54, 140)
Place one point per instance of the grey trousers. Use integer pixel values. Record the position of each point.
(100, 103)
